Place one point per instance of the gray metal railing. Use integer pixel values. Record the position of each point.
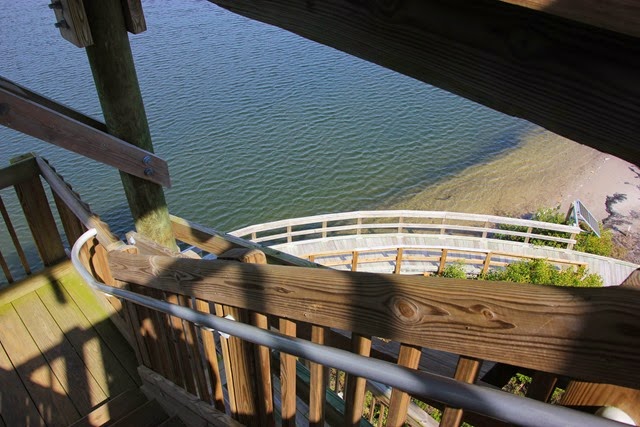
(493, 403)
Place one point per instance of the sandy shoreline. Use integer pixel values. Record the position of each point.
(545, 171)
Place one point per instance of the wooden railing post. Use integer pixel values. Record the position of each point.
(35, 206)
(253, 401)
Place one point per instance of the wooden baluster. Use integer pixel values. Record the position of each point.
(398, 261)
(354, 395)
(318, 382)
(354, 261)
(211, 359)
(529, 231)
(324, 229)
(359, 226)
(289, 237)
(542, 386)
(467, 371)
(400, 224)
(443, 261)
(180, 345)
(195, 355)
(5, 269)
(409, 357)
(241, 353)
(288, 377)
(263, 373)
(228, 368)
(14, 239)
(487, 262)
(73, 227)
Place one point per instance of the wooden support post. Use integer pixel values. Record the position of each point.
(354, 261)
(117, 85)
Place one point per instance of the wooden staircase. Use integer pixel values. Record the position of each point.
(131, 408)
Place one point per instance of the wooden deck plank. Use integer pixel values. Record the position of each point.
(16, 406)
(43, 386)
(101, 362)
(66, 364)
(86, 300)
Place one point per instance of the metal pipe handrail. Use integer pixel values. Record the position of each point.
(493, 403)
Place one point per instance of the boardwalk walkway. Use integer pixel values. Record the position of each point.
(416, 242)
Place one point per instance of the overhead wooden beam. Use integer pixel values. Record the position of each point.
(573, 79)
(622, 16)
(31, 117)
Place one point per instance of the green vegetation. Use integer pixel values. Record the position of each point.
(454, 271)
(586, 242)
(534, 271)
(542, 272)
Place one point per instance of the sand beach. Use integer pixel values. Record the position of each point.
(546, 170)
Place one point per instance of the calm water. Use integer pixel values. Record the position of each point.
(257, 124)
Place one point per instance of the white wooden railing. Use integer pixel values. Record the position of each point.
(405, 221)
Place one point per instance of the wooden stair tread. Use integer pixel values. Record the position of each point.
(113, 409)
(150, 414)
(174, 421)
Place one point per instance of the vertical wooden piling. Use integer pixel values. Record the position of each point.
(117, 85)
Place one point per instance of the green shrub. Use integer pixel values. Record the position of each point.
(454, 271)
(542, 272)
(592, 244)
(585, 242)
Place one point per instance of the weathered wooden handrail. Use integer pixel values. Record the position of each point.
(399, 253)
(560, 330)
(76, 206)
(217, 242)
(407, 222)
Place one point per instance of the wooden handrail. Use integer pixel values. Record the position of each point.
(318, 224)
(566, 331)
(80, 209)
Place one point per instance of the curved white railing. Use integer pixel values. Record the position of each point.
(405, 221)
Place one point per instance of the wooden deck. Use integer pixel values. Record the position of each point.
(60, 355)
